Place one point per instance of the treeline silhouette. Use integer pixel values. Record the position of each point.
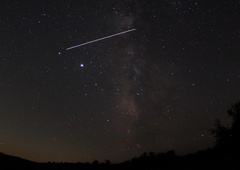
(224, 155)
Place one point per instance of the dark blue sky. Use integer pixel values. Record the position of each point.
(158, 88)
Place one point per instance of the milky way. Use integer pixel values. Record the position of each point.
(157, 88)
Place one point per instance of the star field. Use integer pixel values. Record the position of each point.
(158, 88)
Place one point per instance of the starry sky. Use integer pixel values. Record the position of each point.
(158, 88)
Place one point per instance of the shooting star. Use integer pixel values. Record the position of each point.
(100, 39)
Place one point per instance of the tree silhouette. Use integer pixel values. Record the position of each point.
(228, 137)
(95, 162)
(222, 134)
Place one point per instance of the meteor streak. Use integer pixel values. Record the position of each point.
(100, 39)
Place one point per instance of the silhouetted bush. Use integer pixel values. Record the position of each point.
(228, 137)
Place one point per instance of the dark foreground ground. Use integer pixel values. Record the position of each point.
(214, 159)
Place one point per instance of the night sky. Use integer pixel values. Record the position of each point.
(157, 88)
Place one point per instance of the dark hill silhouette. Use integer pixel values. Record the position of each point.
(7, 161)
(207, 159)
(225, 155)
